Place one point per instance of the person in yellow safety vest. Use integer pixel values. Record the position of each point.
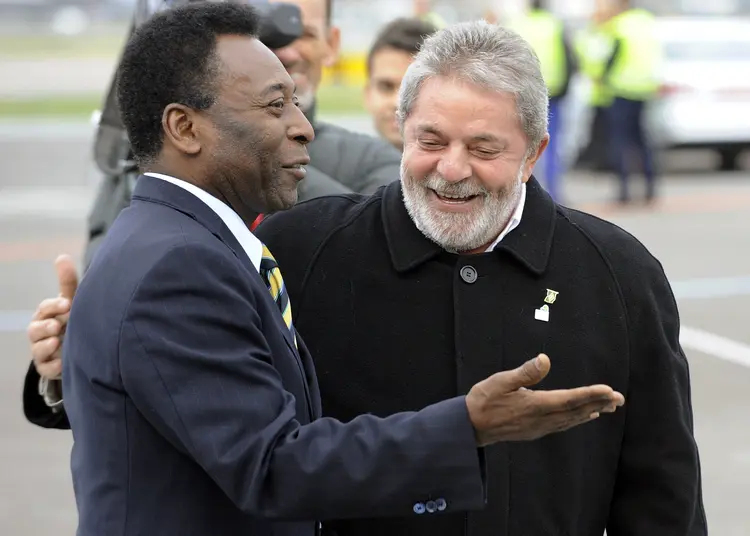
(547, 36)
(631, 74)
(593, 47)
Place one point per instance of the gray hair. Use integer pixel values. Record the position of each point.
(489, 56)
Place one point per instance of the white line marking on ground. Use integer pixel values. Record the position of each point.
(715, 345)
(711, 288)
(69, 202)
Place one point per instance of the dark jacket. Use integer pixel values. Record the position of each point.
(195, 414)
(341, 162)
(394, 322)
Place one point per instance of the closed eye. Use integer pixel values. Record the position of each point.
(430, 144)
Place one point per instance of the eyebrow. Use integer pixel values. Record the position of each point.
(429, 129)
(486, 137)
(276, 88)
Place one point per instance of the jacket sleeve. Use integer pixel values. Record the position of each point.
(658, 488)
(196, 363)
(112, 196)
(36, 410)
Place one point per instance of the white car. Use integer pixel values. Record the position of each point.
(705, 96)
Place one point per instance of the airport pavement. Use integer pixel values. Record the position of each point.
(700, 231)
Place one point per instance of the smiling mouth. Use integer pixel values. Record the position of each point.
(297, 170)
(452, 198)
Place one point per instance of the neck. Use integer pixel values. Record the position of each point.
(247, 215)
(176, 171)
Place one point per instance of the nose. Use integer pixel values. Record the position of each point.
(300, 129)
(288, 56)
(454, 164)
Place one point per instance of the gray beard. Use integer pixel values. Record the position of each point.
(457, 232)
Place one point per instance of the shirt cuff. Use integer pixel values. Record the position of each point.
(51, 392)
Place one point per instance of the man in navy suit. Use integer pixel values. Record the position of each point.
(193, 402)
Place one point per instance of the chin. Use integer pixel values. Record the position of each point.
(282, 202)
(454, 231)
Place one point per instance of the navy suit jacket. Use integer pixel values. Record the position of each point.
(193, 413)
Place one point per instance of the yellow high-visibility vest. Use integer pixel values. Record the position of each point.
(634, 74)
(544, 32)
(593, 48)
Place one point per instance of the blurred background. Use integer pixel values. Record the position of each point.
(56, 62)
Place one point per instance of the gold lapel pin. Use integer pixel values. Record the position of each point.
(551, 296)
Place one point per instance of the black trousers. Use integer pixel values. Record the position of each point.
(630, 144)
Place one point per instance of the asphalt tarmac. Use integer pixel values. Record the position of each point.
(700, 231)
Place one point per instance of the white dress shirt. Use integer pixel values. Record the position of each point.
(252, 246)
(514, 220)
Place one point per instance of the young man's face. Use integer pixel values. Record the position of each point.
(381, 92)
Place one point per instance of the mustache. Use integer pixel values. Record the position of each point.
(465, 188)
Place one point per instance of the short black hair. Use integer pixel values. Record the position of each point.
(171, 58)
(405, 34)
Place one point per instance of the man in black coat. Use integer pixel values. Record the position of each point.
(464, 266)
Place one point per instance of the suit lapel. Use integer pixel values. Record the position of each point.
(159, 191)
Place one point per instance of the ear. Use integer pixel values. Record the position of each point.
(334, 46)
(181, 129)
(534, 158)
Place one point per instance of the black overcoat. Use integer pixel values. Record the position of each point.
(395, 323)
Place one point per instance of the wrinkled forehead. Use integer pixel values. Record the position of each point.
(459, 110)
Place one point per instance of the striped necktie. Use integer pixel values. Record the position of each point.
(271, 274)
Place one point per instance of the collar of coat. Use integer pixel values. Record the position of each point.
(529, 243)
